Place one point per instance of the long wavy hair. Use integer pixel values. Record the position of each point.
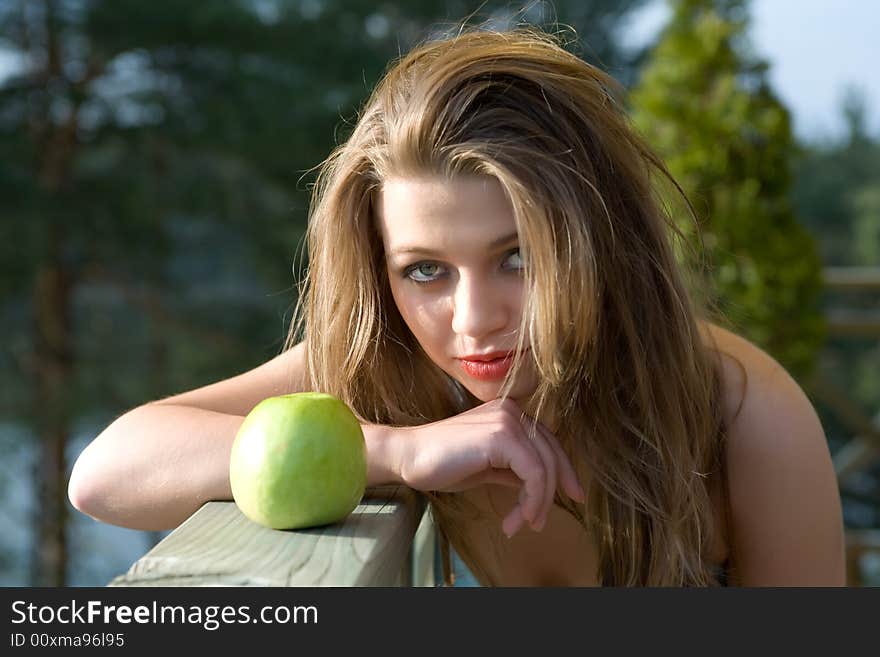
(626, 381)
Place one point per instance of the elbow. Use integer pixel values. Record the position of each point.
(101, 488)
(82, 489)
(91, 488)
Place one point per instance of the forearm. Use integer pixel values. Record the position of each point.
(157, 464)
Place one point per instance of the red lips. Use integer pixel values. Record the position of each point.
(491, 366)
(492, 355)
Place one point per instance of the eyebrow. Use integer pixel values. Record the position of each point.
(501, 241)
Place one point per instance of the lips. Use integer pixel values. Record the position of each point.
(492, 355)
(488, 367)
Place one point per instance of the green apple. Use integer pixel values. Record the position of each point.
(298, 461)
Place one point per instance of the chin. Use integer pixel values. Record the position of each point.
(489, 391)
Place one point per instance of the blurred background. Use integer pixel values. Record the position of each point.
(155, 166)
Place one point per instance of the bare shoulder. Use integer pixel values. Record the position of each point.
(743, 364)
(758, 390)
(784, 497)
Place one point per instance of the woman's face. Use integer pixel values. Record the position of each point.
(456, 274)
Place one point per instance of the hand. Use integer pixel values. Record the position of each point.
(489, 444)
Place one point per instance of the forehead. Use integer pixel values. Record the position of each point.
(413, 211)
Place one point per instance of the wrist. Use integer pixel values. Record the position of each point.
(384, 458)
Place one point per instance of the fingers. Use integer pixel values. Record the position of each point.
(524, 460)
(513, 522)
(536, 463)
(538, 466)
(568, 477)
(559, 471)
(549, 458)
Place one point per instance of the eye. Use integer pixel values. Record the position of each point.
(516, 253)
(428, 271)
(421, 268)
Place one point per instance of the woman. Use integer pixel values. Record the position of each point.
(493, 291)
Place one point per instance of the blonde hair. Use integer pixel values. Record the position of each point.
(626, 383)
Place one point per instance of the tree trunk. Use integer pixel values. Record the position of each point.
(52, 294)
(53, 370)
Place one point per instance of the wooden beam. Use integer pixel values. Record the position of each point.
(845, 409)
(864, 447)
(853, 323)
(863, 539)
(218, 546)
(852, 278)
(424, 547)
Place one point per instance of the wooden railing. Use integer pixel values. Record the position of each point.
(853, 279)
(389, 539)
(863, 449)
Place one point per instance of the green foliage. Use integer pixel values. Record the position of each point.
(704, 104)
(866, 228)
(837, 190)
(837, 196)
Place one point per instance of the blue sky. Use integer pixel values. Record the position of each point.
(815, 48)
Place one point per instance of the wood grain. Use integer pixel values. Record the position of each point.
(218, 546)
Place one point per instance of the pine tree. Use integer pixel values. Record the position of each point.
(704, 103)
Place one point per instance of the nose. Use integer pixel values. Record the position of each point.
(479, 308)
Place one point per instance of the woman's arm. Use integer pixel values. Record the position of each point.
(154, 466)
(787, 520)
(158, 463)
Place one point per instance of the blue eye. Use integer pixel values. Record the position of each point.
(420, 267)
(516, 253)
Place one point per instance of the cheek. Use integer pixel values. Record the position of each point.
(517, 297)
(422, 315)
